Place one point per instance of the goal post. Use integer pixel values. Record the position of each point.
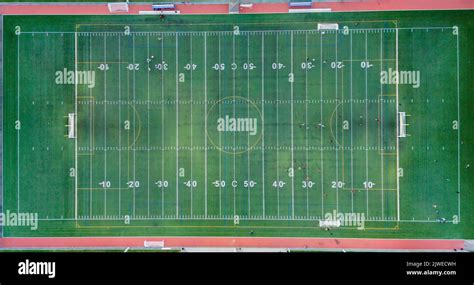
(71, 126)
(402, 128)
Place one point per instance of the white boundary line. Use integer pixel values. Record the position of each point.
(336, 91)
(216, 217)
(220, 135)
(91, 130)
(397, 141)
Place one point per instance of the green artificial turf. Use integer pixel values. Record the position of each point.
(149, 149)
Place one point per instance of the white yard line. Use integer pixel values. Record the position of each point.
(277, 135)
(191, 128)
(205, 124)
(233, 106)
(220, 136)
(248, 134)
(263, 124)
(75, 129)
(119, 131)
(134, 120)
(306, 123)
(381, 124)
(337, 139)
(397, 140)
(148, 122)
(292, 140)
(352, 146)
(459, 125)
(177, 126)
(366, 131)
(162, 129)
(105, 125)
(321, 127)
(91, 129)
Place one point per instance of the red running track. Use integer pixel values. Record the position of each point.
(369, 5)
(236, 242)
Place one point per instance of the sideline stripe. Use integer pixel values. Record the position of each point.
(263, 123)
(397, 129)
